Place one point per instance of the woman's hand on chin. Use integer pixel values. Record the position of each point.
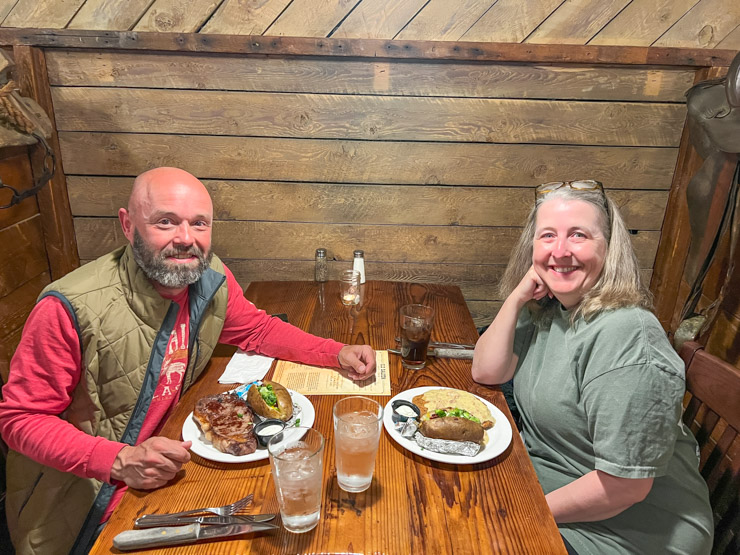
(531, 287)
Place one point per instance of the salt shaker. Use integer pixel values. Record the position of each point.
(321, 271)
(359, 264)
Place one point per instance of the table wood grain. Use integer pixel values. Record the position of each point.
(413, 505)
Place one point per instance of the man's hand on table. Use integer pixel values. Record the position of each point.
(358, 361)
(151, 464)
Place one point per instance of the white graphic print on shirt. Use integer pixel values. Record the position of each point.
(174, 364)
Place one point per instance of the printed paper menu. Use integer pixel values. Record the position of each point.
(314, 380)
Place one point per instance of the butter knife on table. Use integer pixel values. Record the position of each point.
(153, 521)
(177, 535)
(443, 353)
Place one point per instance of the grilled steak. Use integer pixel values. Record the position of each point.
(226, 421)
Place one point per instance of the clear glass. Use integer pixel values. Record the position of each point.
(296, 456)
(416, 329)
(349, 287)
(357, 424)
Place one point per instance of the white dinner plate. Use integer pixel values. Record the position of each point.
(201, 446)
(499, 437)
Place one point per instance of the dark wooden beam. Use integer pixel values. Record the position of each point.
(366, 48)
(675, 239)
(56, 215)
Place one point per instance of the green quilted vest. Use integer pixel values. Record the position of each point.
(124, 326)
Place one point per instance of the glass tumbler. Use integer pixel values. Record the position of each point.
(357, 424)
(296, 459)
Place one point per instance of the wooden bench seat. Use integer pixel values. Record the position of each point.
(713, 413)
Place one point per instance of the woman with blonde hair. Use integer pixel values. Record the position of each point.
(597, 383)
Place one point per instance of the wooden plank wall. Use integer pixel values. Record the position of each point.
(427, 166)
(24, 267)
(681, 23)
(722, 337)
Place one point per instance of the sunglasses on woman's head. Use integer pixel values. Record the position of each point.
(578, 185)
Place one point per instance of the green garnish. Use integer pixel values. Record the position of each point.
(297, 422)
(460, 413)
(268, 395)
(240, 415)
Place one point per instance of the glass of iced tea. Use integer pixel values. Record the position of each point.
(357, 424)
(296, 456)
(416, 329)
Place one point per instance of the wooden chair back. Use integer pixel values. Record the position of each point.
(712, 411)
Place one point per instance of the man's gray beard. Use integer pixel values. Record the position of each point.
(156, 267)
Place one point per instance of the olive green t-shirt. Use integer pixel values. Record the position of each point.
(606, 395)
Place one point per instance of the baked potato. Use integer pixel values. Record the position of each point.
(452, 424)
(270, 400)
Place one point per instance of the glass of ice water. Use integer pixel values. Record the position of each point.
(357, 424)
(296, 459)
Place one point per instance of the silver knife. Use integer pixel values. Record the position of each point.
(154, 537)
(443, 353)
(442, 344)
(154, 521)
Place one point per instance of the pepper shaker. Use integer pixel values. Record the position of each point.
(321, 270)
(359, 264)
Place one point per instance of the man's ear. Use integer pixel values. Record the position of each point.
(126, 224)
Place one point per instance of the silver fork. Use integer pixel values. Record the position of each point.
(225, 510)
(179, 520)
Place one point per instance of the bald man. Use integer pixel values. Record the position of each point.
(106, 354)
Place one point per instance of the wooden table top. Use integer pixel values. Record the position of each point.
(414, 505)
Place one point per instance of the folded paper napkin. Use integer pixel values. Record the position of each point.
(245, 367)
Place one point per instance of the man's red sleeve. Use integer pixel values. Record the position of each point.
(252, 329)
(44, 371)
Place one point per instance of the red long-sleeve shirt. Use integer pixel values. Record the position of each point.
(47, 367)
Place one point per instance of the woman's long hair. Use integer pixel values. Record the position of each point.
(618, 286)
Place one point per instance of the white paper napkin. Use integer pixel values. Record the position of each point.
(245, 367)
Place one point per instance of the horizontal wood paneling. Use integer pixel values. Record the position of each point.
(388, 77)
(477, 281)
(365, 161)
(426, 166)
(368, 117)
(278, 240)
(311, 75)
(360, 203)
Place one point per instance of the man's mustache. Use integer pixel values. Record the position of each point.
(192, 250)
